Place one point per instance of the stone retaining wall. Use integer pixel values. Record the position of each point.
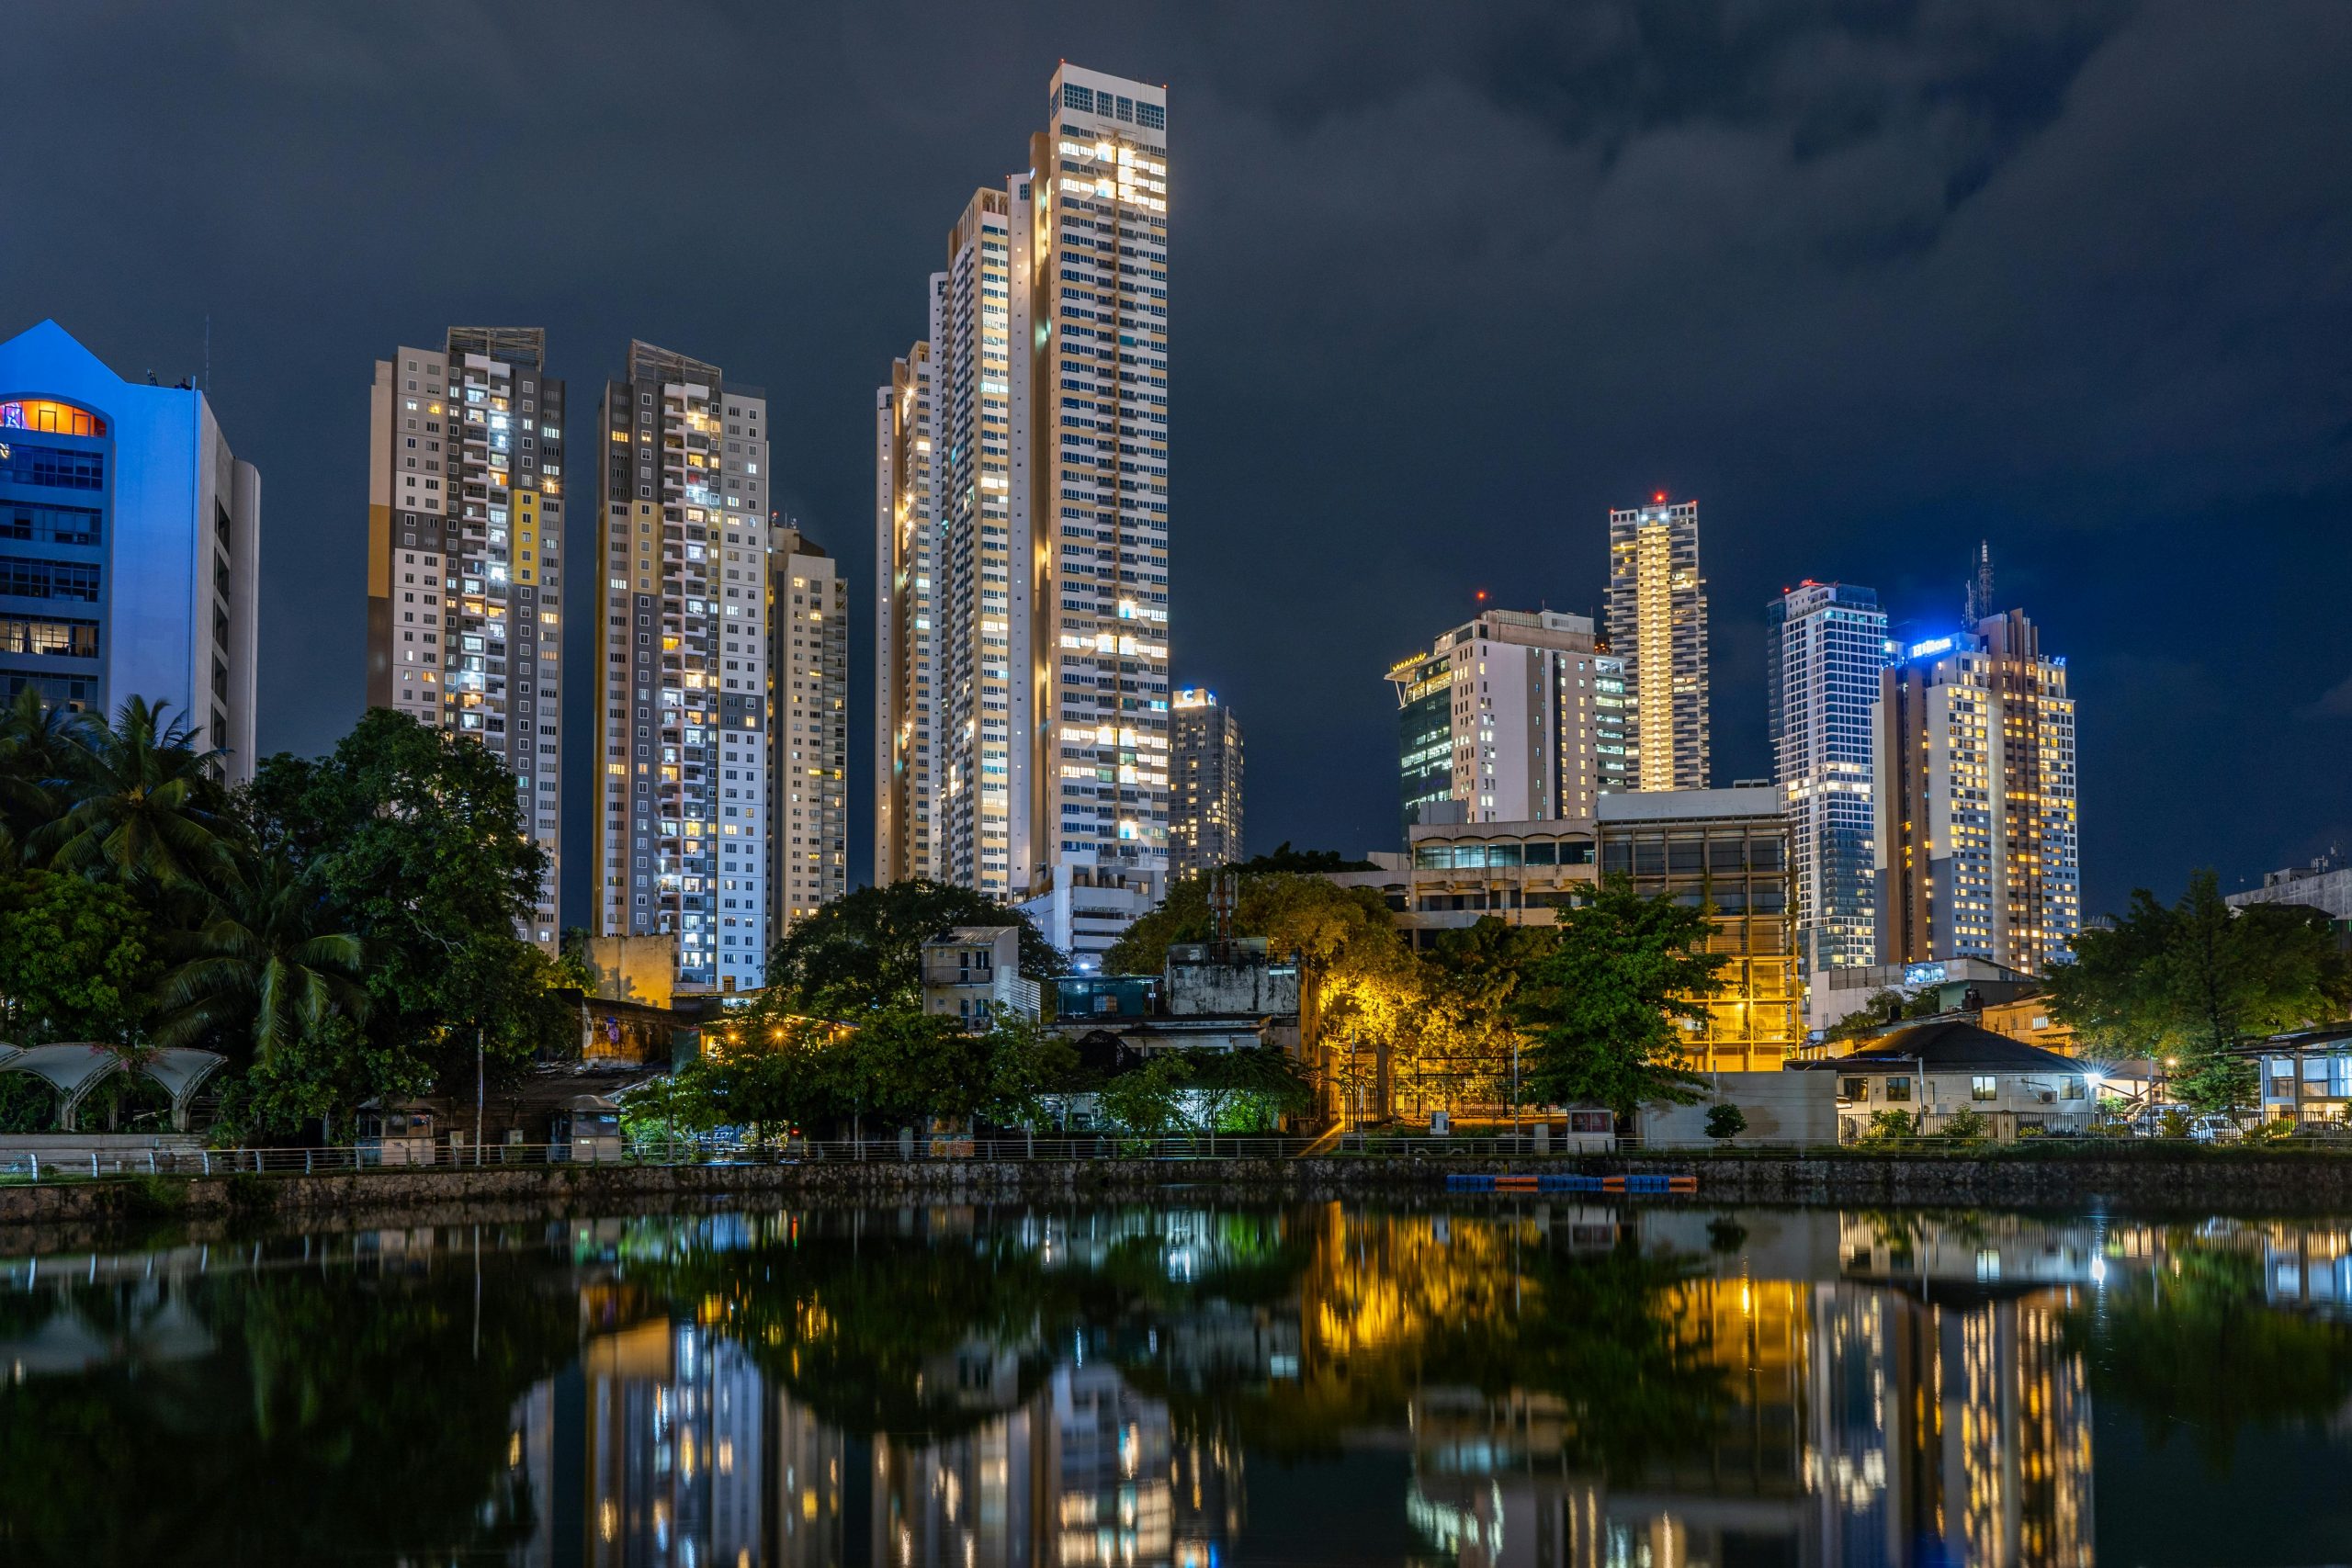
(2238, 1182)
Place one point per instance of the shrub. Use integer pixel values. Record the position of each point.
(1726, 1122)
(1966, 1127)
(2173, 1124)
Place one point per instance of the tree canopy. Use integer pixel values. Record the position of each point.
(863, 951)
(2197, 979)
(1600, 1007)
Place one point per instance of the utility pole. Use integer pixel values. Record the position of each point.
(479, 1054)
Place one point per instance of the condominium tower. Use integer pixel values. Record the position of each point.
(1204, 830)
(1657, 625)
(904, 536)
(1824, 646)
(682, 725)
(1503, 714)
(1022, 516)
(1977, 852)
(129, 547)
(809, 731)
(465, 560)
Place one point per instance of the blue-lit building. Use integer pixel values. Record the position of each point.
(1825, 644)
(130, 544)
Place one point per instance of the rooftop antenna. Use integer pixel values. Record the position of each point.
(1978, 604)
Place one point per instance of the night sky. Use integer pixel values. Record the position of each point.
(1871, 281)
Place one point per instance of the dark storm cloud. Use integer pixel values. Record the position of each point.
(1871, 280)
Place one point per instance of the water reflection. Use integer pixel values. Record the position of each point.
(1537, 1386)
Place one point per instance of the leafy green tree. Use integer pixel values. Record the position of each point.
(1027, 1062)
(145, 805)
(1247, 1091)
(418, 845)
(1726, 1122)
(1311, 862)
(864, 951)
(263, 971)
(1150, 1100)
(2197, 980)
(1600, 1009)
(77, 960)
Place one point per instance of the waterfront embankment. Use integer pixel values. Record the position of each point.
(2169, 1178)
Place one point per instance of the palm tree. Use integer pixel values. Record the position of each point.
(146, 804)
(41, 748)
(262, 966)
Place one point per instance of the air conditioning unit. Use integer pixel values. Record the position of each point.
(2046, 1096)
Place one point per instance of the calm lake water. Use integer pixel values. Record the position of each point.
(1497, 1383)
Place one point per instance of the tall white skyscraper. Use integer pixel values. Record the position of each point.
(1657, 625)
(1977, 854)
(465, 560)
(1021, 491)
(1826, 645)
(682, 731)
(904, 536)
(808, 733)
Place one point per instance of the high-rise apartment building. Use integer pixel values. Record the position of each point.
(129, 546)
(681, 722)
(1503, 714)
(1022, 481)
(1825, 648)
(808, 730)
(465, 560)
(1977, 854)
(1613, 726)
(1204, 830)
(904, 536)
(1657, 625)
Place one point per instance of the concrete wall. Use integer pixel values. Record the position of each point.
(1782, 1108)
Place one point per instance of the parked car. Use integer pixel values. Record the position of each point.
(2211, 1129)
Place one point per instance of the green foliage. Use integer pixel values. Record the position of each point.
(2174, 1123)
(146, 806)
(1246, 1091)
(1148, 1100)
(1285, 859)
(2196, 980)
(264, 968)
(1884, 1010)
(1726, 1122)
(76, 959)
(1600, 1007)
(1890, 1126)
(1967, 1126)
(1330, 927)
(865, 952)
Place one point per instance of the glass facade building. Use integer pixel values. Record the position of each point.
(1824, 645)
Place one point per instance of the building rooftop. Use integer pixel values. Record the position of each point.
(1946, 1046)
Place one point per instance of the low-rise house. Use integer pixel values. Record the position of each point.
(974, 972)
(2306, 1076)
(1936, 1070)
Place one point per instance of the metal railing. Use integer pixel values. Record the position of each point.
(70, 1165)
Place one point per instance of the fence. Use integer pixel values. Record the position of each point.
(418, 1155)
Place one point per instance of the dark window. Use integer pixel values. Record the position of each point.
(65, 468)
(1898, 1089)
(50, 579)
(47, 524)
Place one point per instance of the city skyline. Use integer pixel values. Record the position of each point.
(1841, 430)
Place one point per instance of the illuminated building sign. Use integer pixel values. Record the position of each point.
(1931, 648)
(1923, 974)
